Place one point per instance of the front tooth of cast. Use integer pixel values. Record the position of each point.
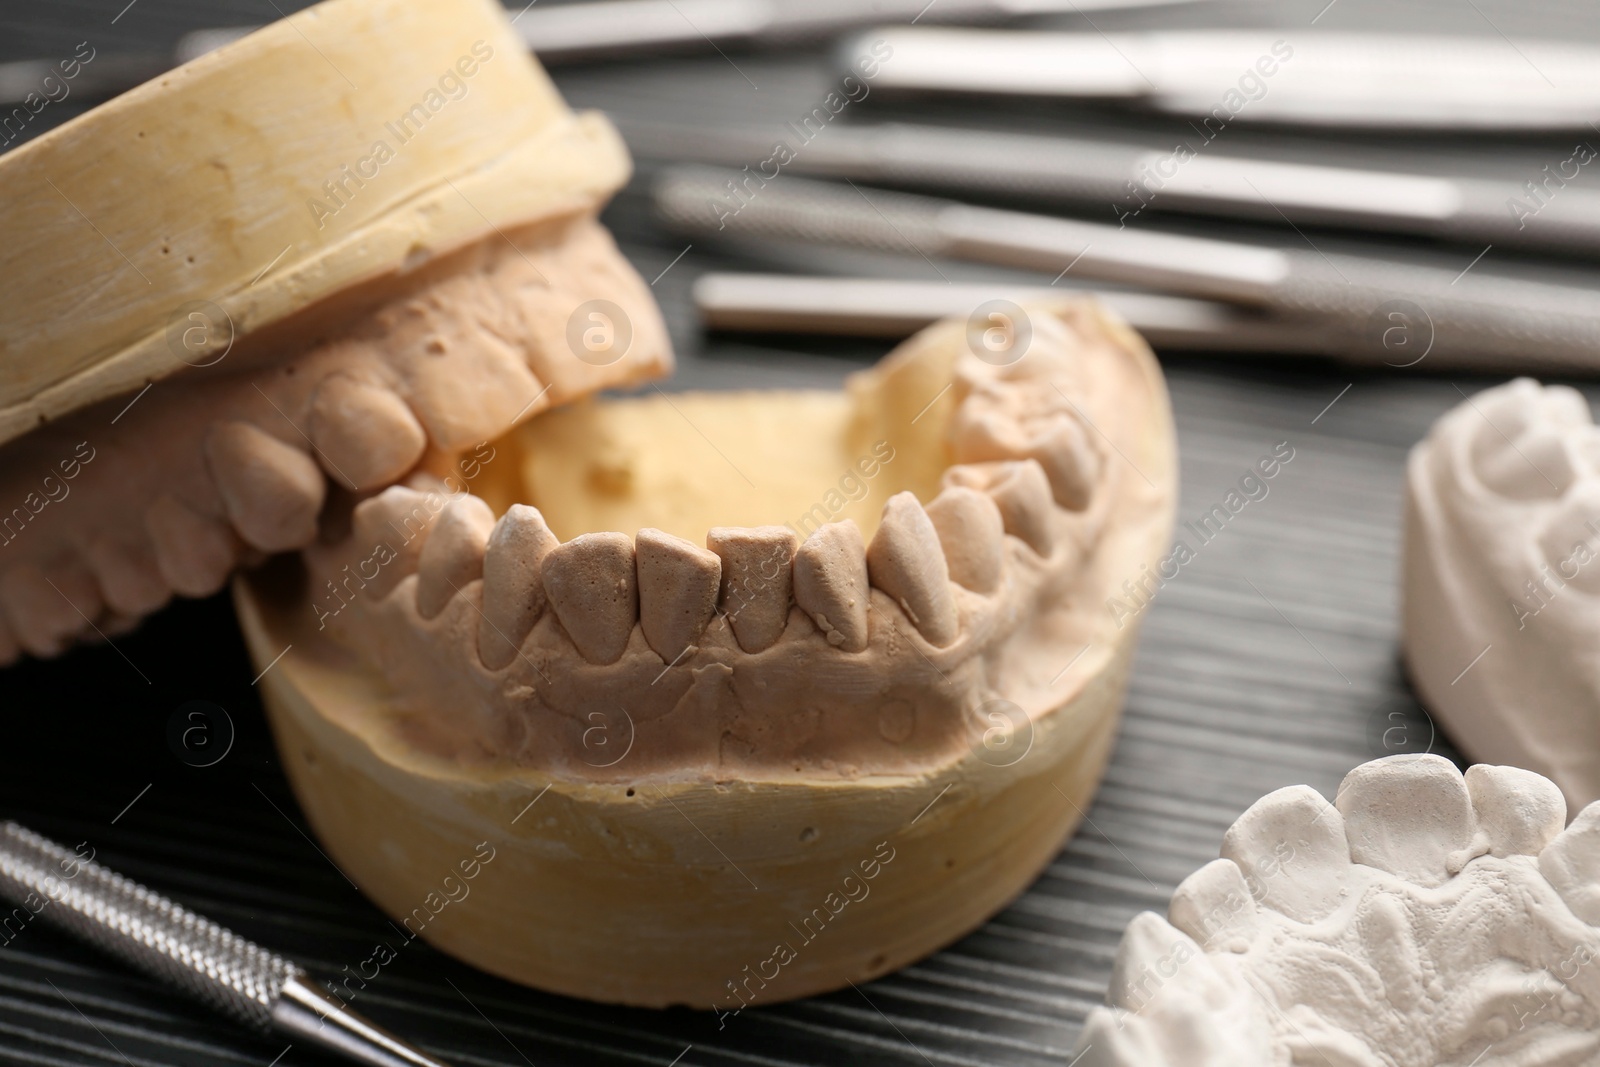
(1022, 492)
(47, 612)
(1409, 815)
(906, 562)
(1070, 463)
(592, 586)
(679, 583)
(272, 490)
(1292, 847)
(365, 434)
(513, 595)
(1145, 961)
(393, 525)
(830, 583)
(972, 534)
(128, 576)
(1518, 812)
(1571, 864)
(756, 581)
(1214, 905)
(194, 552)
(453, 555)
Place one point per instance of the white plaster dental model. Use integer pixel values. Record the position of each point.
(1421, 919)
(1502, 574)
(813, 750)
(350, 244)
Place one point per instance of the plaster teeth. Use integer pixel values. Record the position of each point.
(1534, 464)
(1410, 816)
(1150, 953)
(831, 585)
(272, 491)
(194, 552)
(972, 534)
(1571, 863)
(365, 434)
(44, 611)
(906, 562)
(128, 575)
(679, 583)
(453, 554)
(1215, 906)
(757, 581)
(1291, 846)
(1070, 462)
(1570, 526)
(513, 594)
(1518, 812)
(398, 518)
(592, 586)
(1022, 493)
(464, 389)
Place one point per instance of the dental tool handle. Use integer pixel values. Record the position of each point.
(1455, 319)
(161, 938)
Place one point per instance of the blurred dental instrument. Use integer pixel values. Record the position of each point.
(604, 29)
(893, 308)
(1550, 208)
(1309, 77)
(1472, 317)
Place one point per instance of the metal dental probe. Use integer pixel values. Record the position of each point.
(1472, 318)
(166, 940)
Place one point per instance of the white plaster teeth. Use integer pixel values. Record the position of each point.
(757, 581)
(396, 520)
(593, 588)
(128, 575)
(679, 584)
(831, 584)
(44, 610)
(366, 435)
(195, 552)
(1464, 921)
(453, 554)
(972, 534)
(906, 561)
(1292, 845)
(272, 490)
(513, 592)
(1410, 816)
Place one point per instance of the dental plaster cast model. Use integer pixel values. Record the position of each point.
(813, 750)
(1502, 572)
(1421, 919)
(363, 236)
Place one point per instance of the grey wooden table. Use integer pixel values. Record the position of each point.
(1270, 660)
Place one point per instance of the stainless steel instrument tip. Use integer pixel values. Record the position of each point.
(258, 988)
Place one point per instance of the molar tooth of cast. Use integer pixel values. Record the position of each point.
(1518, 812)
(1151, 954)
(1292, 849)
(972, 534)
(593, 588)
(397, 522)
(128, 576)
(1409, 815)
(1214, 905)
(365, 434)
(272, 490)
(1070, 462)
(46, 613)
(195, 552)
(513, 595)
(1571, 864)
(453, 554)
(679, 583)
(756, 581)
(906, 561)
(1535, 464)
(830, 583)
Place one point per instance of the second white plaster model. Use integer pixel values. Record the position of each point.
(1502, 581)
(1424, 919)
